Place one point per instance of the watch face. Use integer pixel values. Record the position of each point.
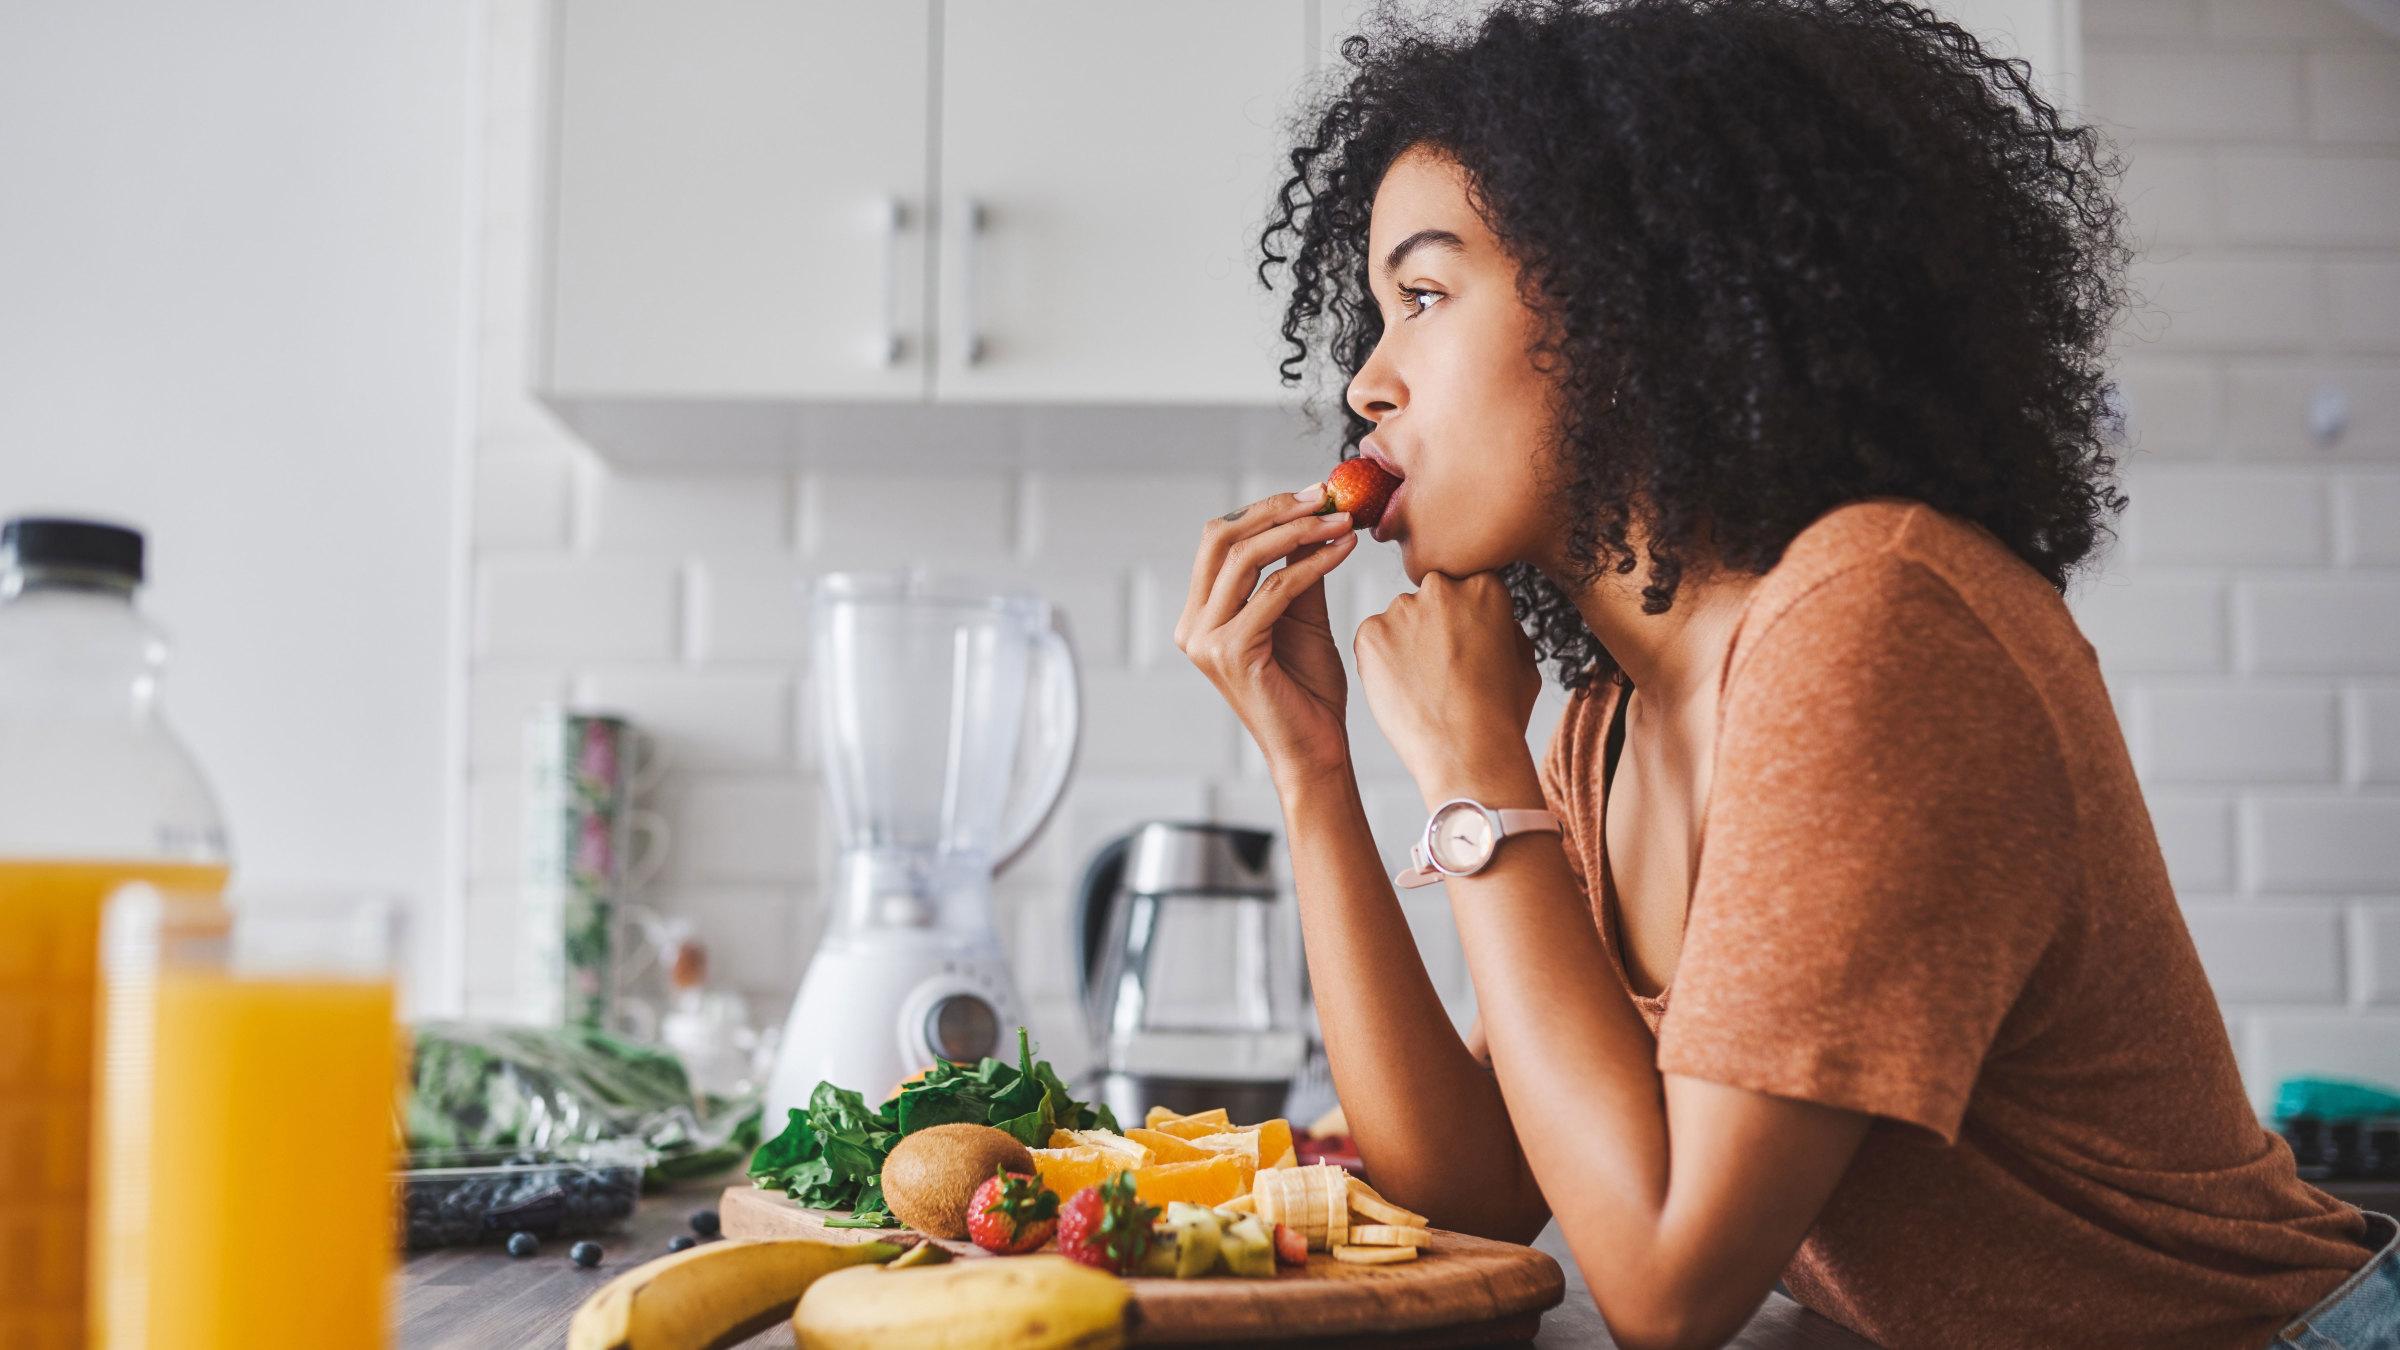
(1462, 838)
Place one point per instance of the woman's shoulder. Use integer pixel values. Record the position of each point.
(1889, 551)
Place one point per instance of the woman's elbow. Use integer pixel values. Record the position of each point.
(1669, 1314)
(1666, 1327)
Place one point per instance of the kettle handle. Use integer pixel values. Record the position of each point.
(1055, 696)
(1103, 877)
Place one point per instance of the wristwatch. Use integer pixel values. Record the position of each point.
(1461, 837)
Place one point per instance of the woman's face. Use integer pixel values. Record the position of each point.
(1458, 407)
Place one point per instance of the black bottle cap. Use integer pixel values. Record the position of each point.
(28, 542)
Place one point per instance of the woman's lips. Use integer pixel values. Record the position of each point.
(1385, 526)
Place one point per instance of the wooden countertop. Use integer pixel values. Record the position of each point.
(482, 1298)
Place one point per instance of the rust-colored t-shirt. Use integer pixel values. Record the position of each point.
(1928, 890)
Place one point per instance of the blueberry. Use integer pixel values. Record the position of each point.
(704, 1222)
(523, 1244)
(682, 1242)
(584, 1254)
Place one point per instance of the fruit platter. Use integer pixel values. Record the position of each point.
(984, 1205)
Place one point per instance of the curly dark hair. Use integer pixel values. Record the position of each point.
(1791, 254)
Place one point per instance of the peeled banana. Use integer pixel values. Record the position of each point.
(1005, 1303)
(1311, 1201)
(718, 1294)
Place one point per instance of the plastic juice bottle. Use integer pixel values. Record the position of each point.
(95, 790)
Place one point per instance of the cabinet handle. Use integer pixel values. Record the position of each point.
(891, 217)
(971, 219)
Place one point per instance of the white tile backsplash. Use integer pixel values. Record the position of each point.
(2249, 624)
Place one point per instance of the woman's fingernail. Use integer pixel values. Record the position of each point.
(1314, 492)
(1336, 518)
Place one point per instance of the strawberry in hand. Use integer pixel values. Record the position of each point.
(1104, 1226)
(1012, 1213)
(1361, 487)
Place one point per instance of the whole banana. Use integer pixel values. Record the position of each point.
(995, 1303)
(718, 1294)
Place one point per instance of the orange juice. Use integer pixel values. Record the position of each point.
(262, 1204)
(49, 933)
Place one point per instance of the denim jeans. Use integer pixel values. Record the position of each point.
(2363, 1312)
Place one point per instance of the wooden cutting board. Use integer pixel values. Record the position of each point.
(1460, 1291)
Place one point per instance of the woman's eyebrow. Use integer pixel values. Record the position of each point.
(1442, 239)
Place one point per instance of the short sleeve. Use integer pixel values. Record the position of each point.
(1564, 790)
(1887, 853)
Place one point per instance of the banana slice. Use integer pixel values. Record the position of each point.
(1311, 1201)
(1364, 1199)
(1389, 1235)
(1374, 1256)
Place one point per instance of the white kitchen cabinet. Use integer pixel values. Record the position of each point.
(745, 194)
(738, 200)
(1106, 170)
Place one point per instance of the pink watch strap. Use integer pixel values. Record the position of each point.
(1533, 821)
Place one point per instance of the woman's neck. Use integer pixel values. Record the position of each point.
(1675, 657)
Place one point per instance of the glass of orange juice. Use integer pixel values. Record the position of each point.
(242, 1159)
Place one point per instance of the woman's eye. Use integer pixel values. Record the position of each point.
(1409, 298)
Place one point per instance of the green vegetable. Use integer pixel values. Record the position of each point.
(830, 1156)
(479, 1086)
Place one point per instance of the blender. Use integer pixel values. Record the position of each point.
(947, 716)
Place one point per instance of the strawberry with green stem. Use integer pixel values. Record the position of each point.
(1011, 1213)
(1106, 1227)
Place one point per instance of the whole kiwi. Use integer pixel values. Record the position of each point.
(932, 1174)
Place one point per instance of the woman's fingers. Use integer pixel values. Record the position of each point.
(1220, 535)
(1245, 560)
(1287, 584)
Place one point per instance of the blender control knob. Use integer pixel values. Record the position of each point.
(962, 1028)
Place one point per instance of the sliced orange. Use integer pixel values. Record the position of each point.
(1068, 1170)
(1164, 1147)
(1264, 1143)
(1215, 1115)
(1202, 1183)
(1274, 1140)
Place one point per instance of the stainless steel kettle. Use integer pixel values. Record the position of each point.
(1193, 983)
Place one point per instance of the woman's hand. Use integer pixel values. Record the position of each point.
(1451, 679)
(1268, 647)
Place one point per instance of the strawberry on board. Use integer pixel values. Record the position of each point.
(1012, 1213)
(1361, 487)
(1105, 1226)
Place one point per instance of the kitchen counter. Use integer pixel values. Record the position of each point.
(482, 1298)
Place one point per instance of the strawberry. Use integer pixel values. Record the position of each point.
(1104, 1226)
(1012, 1213)
(1290, 1248)
(1361, 487)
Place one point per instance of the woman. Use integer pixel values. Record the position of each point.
(1743, 360)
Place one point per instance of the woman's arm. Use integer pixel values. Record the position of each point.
(1423, 1109)
(1428, 1114)
(1681, 1199)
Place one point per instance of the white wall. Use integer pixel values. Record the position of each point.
(2250, 622)
(232, 312)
